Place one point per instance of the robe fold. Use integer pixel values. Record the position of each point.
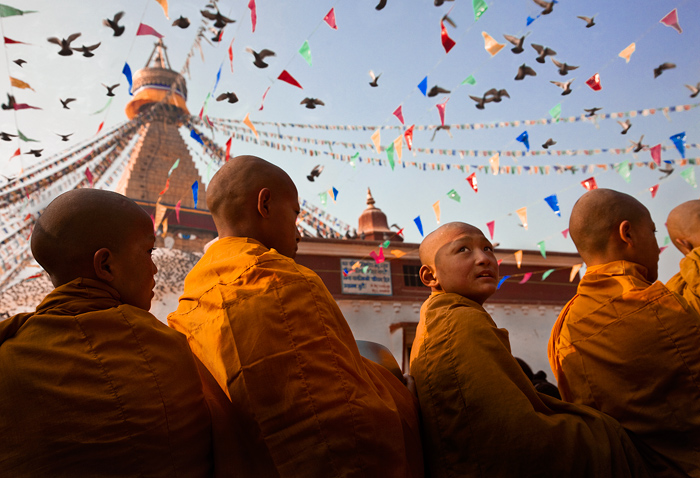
(631, 349)
(90, 386)
(482, 417)
(275, 340)
(687, 282)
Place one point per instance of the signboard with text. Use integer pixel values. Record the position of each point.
(369, 278)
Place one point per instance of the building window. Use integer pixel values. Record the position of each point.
(411, 277)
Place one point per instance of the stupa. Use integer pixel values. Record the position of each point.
(373, 224)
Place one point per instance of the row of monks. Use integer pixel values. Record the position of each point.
(259, 375)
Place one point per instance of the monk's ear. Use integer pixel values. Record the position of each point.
(683, 245)
(625, 232)
(427, 277)
(264, 198)
(102, 264)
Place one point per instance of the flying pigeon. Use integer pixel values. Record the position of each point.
(548, 6)
(638, 146)
(626, 125)
(564, 68)
(220, 21)
(438, 3)
(65, 102)
(564, 86)
(64, 137)
(229, 96)
(87, 50)
(114, 24)
(518, 42)
(375, 79)
(523, 71)
(316, 172)
(110, 89)
(218, 34)
(19, 61)
(10, 103)
(259, 57)
(663, 67)
(591, 111)
(439, 127)
(548, 143)
(480, 101)
(436, 90)
(35, 152)
(543, 52)
(589, 21)
(312, 102)
(496, 95)
(694, 90)
(380, 5)
(667, 172)
(181, 22)
(7, 136)
(64, 44)
(446, 18)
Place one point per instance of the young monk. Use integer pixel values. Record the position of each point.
(481, 415)
(683, 226)
(625, 344)
(277, 343)
(91, 384)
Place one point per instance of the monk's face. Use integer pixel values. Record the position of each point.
(465, 263)
(133, 267)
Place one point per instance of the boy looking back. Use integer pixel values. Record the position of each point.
(481, 414)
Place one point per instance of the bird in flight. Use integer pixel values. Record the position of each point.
(663, 67)
(220, 21)
(548, 6)
(315, 172)
(626, 125)
(64, 137)
(548, 143)
(436, 90)
(260, 56)
(518, 42)
(591, 111)
(65, 102)
(181, 22)
(589, 21)
(375, 78)
(312, 102)
(110, 89)
(543, 52)
(564, 68)
(228, 96)
(564, 86)
(114, 24)
(64, 43)
(638, 146)
(523, 71)
(87, 51)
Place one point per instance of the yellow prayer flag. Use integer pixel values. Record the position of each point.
(574, 271)
(491, 45)
(398, 253)
(494, 162)
(20, 84)
(436, 208)
(375, 140)
(165, 226)
(160, 214)
(518, 257)
(627, 52)
(522, 214)
(249, 124)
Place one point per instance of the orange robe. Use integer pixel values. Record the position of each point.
(93, 387)
(308, 403)
(687, 282)
(631, 349)
(482, 417)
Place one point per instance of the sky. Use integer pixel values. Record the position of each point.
(402, 42)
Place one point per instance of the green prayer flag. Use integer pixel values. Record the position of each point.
(479, 8)
(305, 52)
(546, 273)
(109, 102)
(624, 170)
(469, 80)
(390, 155)
(386, 244)
(555, 112)
(365, 269)
(353, 158)
(452, 194)
(7, 11)
(542, 251)
(689, 176)
(667, 240)
(324, 198)
(24, 138)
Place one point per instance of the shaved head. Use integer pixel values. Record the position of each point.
(76, 225)
(250, 197)
(683, 226)
(608, 225)
(441, 236)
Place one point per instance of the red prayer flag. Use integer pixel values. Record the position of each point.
(177, 210)
(17, 153)
(447, 42)
(662, 249)
(491, 225)
(526, 277)
(653, 190)
(167, 185)
(10, 41)
(263, 99)
(228, 148)
(286, 77)
(378, 258)
(565, 233)
(88, 175)
(253, 13)
(671, 20)
(472, 182)
(408, 135)
(330, 19)
(589, 184)
(594, 82)
(441, 110)
(99, 128)
(399, 114)
(230, 54)
(656, 154)
(147, 30)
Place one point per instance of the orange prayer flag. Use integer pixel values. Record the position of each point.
(17, 83)
(375, 140)
(249, 124)
(518, 258)
(522, 214)
(574, 271)
(436, 208)
(398, 253)
(491, 45)
(165, 226)
(494, 162)
(164, 4)
(398, 145)
(627, 52)
(160, 214)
